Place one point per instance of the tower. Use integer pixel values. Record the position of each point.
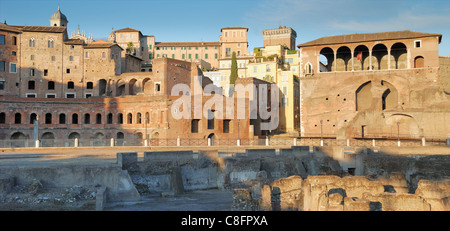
(281, 36)
(112, 37)
(58, 19)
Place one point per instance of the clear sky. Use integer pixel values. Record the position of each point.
(201, 20)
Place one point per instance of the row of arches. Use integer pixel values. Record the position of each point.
(97, 118)
(121, 87)
(378, 57)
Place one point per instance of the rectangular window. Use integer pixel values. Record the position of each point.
(53, 58)
(418, 43)
(70, 95)
(190, 56)
(51, 85)
(45, 72)
(206, 56)
(196, 48)
(14, 53)
(31, 85)
(226, 126)
(183, 56)
(14, 40)
(86, 55)
(173, 56)
(228, 51)
(206, 48)
(70, 85)
(150, 46)
(31, 57)
(70, 58)
(68, 71)
(2, 66)
(31, 72)
(2, 39)
(2, 85)
(12, 68)
(30, 95)
(194, 126)
(210, 119)
(87, 95)
(196, 56)
(215, 55)
(50, 95)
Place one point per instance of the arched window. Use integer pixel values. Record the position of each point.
(48, 118)
(109, 118)
(87, 118)
(326, 59)
(98, 118)
(138, 118)
(120, 118)
(343, 56)
(399, 53)
(18, 118)
(2, 118)
(51, 43)
(380, 53)
(75, 118)
(130, 118)
(147, 117)
(308, 69)
(62, 118)
(419, 62)
(32, 42)
(33, 117)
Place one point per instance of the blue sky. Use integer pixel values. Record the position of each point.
(201, 20)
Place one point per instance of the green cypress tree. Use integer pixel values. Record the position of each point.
(234, 69)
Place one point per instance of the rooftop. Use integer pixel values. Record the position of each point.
(187, 44)
(354, 38)
(49, 29)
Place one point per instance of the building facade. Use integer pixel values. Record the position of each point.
(376, 85)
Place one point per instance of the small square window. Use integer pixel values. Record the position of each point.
(417, 43)
(68, 71)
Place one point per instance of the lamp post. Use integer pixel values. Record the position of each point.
(238, 140)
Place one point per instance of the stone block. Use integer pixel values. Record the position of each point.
(100, 199)
(125, 160)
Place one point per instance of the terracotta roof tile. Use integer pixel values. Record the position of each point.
(354, 38)
(50, 29)
(9, 28)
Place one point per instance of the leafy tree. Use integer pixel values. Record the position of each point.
(130, 47)
(234, 69)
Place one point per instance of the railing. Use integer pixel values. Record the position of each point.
(189, 142)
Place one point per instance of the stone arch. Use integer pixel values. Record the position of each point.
(419, 62)
(74, 135)
(120, 87)
(47, 136)
(132, 87)
(99, 136)
(399, 52)
(380, 53)
(364, 96)
(326, 55)
(403, 125)
(343, 56)
(120, 135)
(144, 88)
(211, 138)
(389, 98)
(361, 58)
(19, 136)
(102, 85)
